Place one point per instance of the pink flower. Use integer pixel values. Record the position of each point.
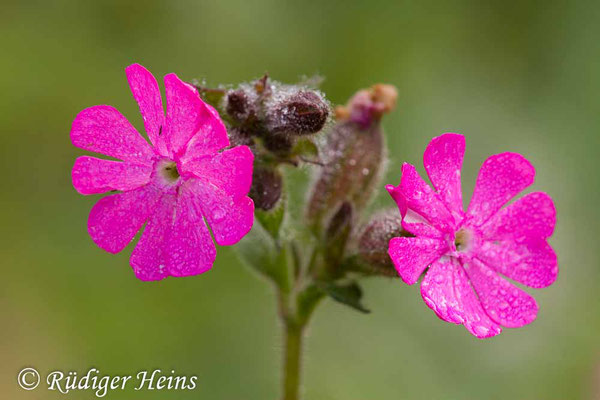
(176, 184)
(467, 252)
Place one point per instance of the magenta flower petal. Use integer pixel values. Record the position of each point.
(190, 249)
(423, 200)
(438, 292)
(189, 117)
(147, 94)
(176, 184)
(501, 177)
(446, 290)
(531, 262)
(211, 137)
(230, 170)
(114, 220)
(505, 303)
(93, 175)
(149, 259)
(411, 221)
(411, 255)
(465, 252)
(229, 219)
(102, 129)
(443, 160)
(477, 320)
(532, 216)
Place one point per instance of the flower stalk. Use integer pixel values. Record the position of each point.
(292, 361)
(309, 259)
(224, 152)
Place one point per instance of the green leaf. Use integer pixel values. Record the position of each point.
(305, 148)
(259, 251)
(349, 294)
(272, 219)
(357, 263)
(308, 299)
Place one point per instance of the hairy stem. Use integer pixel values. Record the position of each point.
(295, 311)
(292, 360)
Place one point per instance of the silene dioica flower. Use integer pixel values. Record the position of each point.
(199, 170)
(175, 184)
(467, 252)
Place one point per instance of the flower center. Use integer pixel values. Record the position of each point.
(462, 239)
(169, 171)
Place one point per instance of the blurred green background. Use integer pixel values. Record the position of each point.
(521, 76)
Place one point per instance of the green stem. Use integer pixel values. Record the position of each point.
(295, 310)
(292, 360)
(296, 304)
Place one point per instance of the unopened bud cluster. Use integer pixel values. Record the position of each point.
(279, 122)
(275, 114)
(271, 118)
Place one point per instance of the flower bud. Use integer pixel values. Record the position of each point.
(239, 136)
(353, 156)
(374, 239)
(278, 143)
(369, 105)
(297, 112)
(238, 106)
(340, 221)
(266, 187)
(337, 233)
(352, 161)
